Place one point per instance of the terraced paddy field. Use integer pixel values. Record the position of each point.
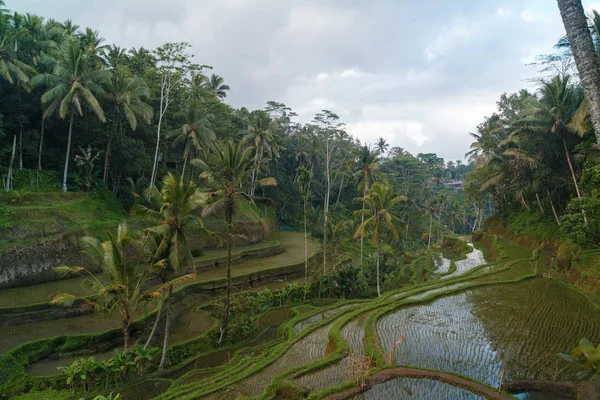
(483, 321)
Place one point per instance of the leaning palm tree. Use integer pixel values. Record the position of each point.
(196, 133)
(303, 178)
(72, 85)
(367, 168)
(586, 60)
(379, 204)
(216, 84)
(175, 207)
(120, 290)
(226, 173)
(127, 94)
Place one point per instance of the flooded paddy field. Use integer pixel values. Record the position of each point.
(519, 327)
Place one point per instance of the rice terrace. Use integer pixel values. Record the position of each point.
(419, 220)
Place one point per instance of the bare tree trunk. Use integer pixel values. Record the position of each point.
(586, 59)
(227, 280)
(574, 179)
(430, 227)
(553, 209)
(163, 358)
(107, 161)
(8, 182)
(362, 237)
(64, 184)
(158, 316)
(326, 208)
(407, 223)
(41, 144)
(20, 145)
(125, 330)
(378, 255)
(537, 196)
(305, 242)
(160, 117)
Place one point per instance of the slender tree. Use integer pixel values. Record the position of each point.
(304, 177)
(175, 206)
(380, 203)
(72, 85)
(226, 171)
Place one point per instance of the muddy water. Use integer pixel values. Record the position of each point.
(474, 259)
(416, 389)
(305, 323)
(520, 327)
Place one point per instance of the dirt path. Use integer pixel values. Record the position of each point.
(402, 372)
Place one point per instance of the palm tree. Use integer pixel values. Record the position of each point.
(72, 85)
(586, 59)
(120, 289)
(12, 69)
(216, 84)
(303, 179)
(114, 56)
(226, 173)
(379, 205)
(556, 112)
(367, 167)
(195, 133)
(197, 87)
(126, 94)
(175, 207)
(382, 145)
(261, 133)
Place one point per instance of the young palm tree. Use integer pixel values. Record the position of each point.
(586, 59)
(72, 85)
(382, 145)
(367, 168)
(175, 206)
(195, 133)
(226, 173)
(216, 84)
(120, 289)
(126, 94)
(379, 204)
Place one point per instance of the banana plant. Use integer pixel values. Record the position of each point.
(586, 355)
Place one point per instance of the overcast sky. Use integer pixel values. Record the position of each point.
(421, 74)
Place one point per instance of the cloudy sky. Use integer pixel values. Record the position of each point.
(421, 74)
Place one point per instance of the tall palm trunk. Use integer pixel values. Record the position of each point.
(430, 228)
(67, 156)
(537, 196)
(107, 161)
(8, 182)
(185, 158)
(125, 329)
(41, 144)
(163, 358)
(586, 59)
(574, 179)
(228, 277)
(378, 256)
(160, 117)
(158, 316)
(305, 242)
(362, 236)
(20, 145)
(553, 209)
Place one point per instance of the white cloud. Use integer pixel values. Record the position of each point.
(527, 16)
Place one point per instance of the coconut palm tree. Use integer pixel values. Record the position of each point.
(196, 133)
(586, 60)
(260, 133)
(72, 86)
(175, 206)
(554, 112)
(226, 173)
(382, 145)
(367, 168)
(379, 205)
(216, 84)
(12, 69)
(127, 94)
(120, 290)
